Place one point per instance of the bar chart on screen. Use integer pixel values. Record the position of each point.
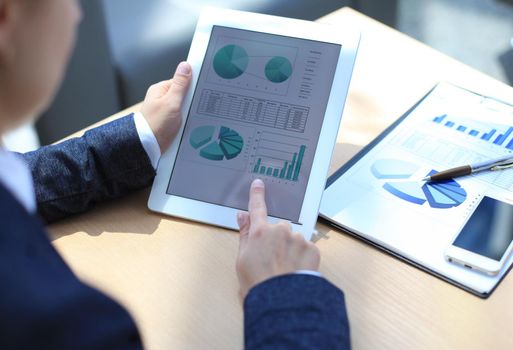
(278, 156)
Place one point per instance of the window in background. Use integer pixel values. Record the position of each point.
(476, 32)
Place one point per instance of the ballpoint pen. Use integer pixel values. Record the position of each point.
(501, 163)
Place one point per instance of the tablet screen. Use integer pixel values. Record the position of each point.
(257, 112)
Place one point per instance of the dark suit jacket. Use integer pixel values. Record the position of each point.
(44, 306)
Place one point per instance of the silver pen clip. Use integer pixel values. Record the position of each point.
(501, 167)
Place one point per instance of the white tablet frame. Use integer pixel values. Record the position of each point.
(348, 38)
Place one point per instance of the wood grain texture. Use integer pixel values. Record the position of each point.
(177, 277)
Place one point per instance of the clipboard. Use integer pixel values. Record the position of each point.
(366, 164)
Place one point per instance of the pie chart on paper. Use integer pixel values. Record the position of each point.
(216, 144)
(395, 174)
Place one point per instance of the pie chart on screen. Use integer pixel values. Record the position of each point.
(395, 175)
(231, 61)
(278, 69)
(216, 144)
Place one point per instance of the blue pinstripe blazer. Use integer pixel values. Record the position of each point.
(43, 305)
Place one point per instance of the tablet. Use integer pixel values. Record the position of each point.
(265, 102)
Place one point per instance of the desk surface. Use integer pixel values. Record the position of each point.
(178, 280)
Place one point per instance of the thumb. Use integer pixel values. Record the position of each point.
(179, 85)
(244, 223)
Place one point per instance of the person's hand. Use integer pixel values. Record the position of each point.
(267, 250)
(162, 105)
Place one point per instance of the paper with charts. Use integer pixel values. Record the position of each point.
(382, 197)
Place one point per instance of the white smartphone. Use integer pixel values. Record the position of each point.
(486, 240)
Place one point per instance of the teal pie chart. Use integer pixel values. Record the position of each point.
(217, 146)
(397, 174)
(278, 69)
(231, 61)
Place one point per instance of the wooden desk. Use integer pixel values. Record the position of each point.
(177, 278)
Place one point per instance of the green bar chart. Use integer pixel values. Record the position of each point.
(279, 157)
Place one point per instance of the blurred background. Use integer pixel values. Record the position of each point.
(126, 45)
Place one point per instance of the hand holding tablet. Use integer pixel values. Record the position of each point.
(266, 100)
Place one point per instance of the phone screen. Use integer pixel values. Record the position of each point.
(489, 231)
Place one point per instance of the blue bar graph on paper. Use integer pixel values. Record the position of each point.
(498, 138)
(510, 145)
(502, 137)
(506, 135)
(439, 119)
(489, 135)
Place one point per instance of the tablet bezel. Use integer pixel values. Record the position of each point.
(162, 202)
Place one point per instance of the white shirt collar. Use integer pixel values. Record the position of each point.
(15, 175)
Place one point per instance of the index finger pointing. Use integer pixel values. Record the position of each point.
(257, 208)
